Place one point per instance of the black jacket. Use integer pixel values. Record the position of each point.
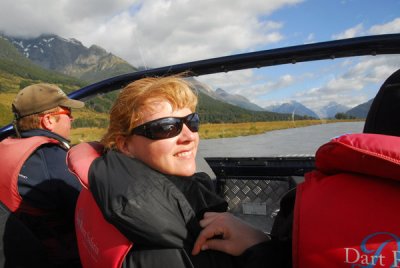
(158, 213)
(44, 182)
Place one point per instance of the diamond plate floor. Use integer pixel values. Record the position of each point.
(254, 200)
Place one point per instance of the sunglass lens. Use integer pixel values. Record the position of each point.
(165, 129)
(193, 122)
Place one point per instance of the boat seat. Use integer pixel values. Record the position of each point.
(384, 114)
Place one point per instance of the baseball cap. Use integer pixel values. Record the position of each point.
(37, 98)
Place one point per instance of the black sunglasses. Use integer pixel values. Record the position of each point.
(167, 127)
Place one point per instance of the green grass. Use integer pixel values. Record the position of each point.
(6, 115)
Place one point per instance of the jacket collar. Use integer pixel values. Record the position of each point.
(42, 132)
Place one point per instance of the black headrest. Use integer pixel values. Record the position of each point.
(384, 114)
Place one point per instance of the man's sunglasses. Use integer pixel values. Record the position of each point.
(63, 111)
(167, 127)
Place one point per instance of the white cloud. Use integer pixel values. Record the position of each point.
(349, 33)
(390, 27)
(349, 87)
(358, 30)
(236, 82)
(170, 32)
(310, 38)
(67, 18)
(152, 32)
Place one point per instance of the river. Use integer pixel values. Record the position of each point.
(303, 141)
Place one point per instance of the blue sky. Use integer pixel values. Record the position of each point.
(322, 20)
(154, 33)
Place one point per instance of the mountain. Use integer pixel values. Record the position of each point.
(216, 111)
(360, 111)
(62, 59)
(222, 95)
(331, 109)
(17, 71)
(71, 57)
(292, 107)
(237, 100)
(52, 58)
(201, 87)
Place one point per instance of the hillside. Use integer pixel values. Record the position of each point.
(237, 100)
(360, 111)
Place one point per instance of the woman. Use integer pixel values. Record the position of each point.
(145, 184)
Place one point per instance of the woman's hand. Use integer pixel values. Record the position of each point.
(224, 232)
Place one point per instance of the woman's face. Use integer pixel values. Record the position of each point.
(173, 156)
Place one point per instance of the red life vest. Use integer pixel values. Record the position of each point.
(13, 154)
(100, 243)
(347, 211)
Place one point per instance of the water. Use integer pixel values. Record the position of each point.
(302, 141)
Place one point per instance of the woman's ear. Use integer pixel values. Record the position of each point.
(122, 145)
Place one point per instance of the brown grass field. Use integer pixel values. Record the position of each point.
(79, 135)
(6, 115)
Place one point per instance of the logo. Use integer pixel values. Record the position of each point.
(22, 176)
(88, 239)
(60, 92)
(381, 249)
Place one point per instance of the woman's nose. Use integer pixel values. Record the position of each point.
(187, 134)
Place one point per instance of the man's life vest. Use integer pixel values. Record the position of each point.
(347, 210)
(100, 243)
(13, 154)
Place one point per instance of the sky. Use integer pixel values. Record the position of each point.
(156, 33)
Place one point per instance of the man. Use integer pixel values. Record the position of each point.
(35, 182)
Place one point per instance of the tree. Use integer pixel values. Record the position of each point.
(342, 116)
